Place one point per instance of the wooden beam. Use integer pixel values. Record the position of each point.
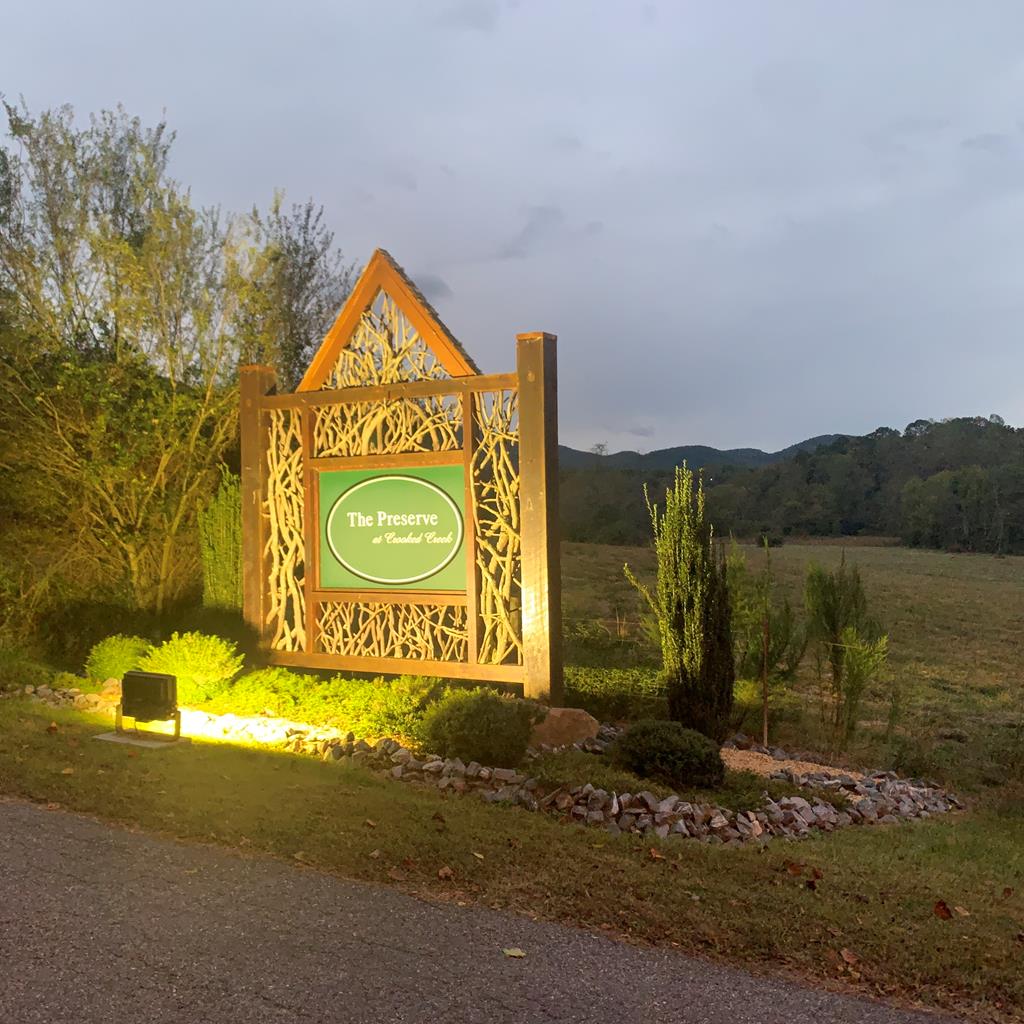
(395, 392)
(536, 365)
(255, 383)
(469, 511)
(406, 460)
(399, 666)
(382, 273)
(352, 596)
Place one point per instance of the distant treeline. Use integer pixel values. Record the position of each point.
(957, 484)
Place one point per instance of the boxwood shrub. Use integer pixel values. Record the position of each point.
(480, 725)
(112, 657)
(669, 753)
(203, 664)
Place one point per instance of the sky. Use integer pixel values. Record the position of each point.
(747, 222)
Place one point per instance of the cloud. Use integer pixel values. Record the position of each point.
(470, 15)
(992, 143)
(433, 287)
(542, 223)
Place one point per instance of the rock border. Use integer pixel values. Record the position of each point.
(876, 798)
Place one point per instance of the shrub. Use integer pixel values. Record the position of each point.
(111, 658)
(276, 690)
(379, 707)
(480, 725)
(17, 669)
(220, 541)
(690, 603)
(616, 693)
(669, 753)
(203, 664)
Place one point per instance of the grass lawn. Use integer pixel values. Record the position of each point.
(956, 628)
(797, 907)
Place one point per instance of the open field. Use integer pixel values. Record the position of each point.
(855, 908)
(956, 627)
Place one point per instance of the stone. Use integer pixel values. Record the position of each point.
(564, 727)
(667, 805)
(503, 774)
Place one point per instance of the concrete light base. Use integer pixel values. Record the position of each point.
(139, 740)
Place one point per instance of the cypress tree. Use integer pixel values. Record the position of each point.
(690, 604)
(220, 538)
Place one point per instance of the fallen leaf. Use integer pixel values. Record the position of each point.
(53, 807)
(655, 854)
(793, 868)
(941, 910)
(515, 952)
(962, 911)
(849, 956)
(1007, 892)
(816, 873)
(445, 874)
(52, 727)
(299, 855)
(374, 855)
(395, 875)
(811, 884)
(67, 771)
(408, 862)
(369, 823)
(479, 856)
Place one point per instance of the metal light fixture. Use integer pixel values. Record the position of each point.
(149, 697)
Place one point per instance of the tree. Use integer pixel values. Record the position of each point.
(690, 605)
(847, 641)
(128, 309)
(303, 282)
(768, 642)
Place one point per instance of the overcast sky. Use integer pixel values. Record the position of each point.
(748, 223)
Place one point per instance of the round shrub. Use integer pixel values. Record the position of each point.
(111, 658)
(479, 725)
(203, 664)
(273, 689)
(669, 753)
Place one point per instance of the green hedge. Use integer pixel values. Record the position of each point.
(371, 708)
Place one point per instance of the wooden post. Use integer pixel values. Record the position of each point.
(538, 496)
(255, 383)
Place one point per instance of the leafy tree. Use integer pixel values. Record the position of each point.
(690, 604)
(768, 642)
(303, 282)
(849, 645)
(124, 312)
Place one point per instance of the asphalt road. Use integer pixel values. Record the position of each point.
(98, 925)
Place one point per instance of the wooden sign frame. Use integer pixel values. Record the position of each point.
(391, 388)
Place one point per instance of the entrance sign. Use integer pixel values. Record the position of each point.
(387, 530)
(399, 509)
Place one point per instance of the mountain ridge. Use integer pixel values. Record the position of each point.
(696, 456)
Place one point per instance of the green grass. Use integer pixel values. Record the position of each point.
(956, 627)
(875, 896)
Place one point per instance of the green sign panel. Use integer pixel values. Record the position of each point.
(382, 530)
